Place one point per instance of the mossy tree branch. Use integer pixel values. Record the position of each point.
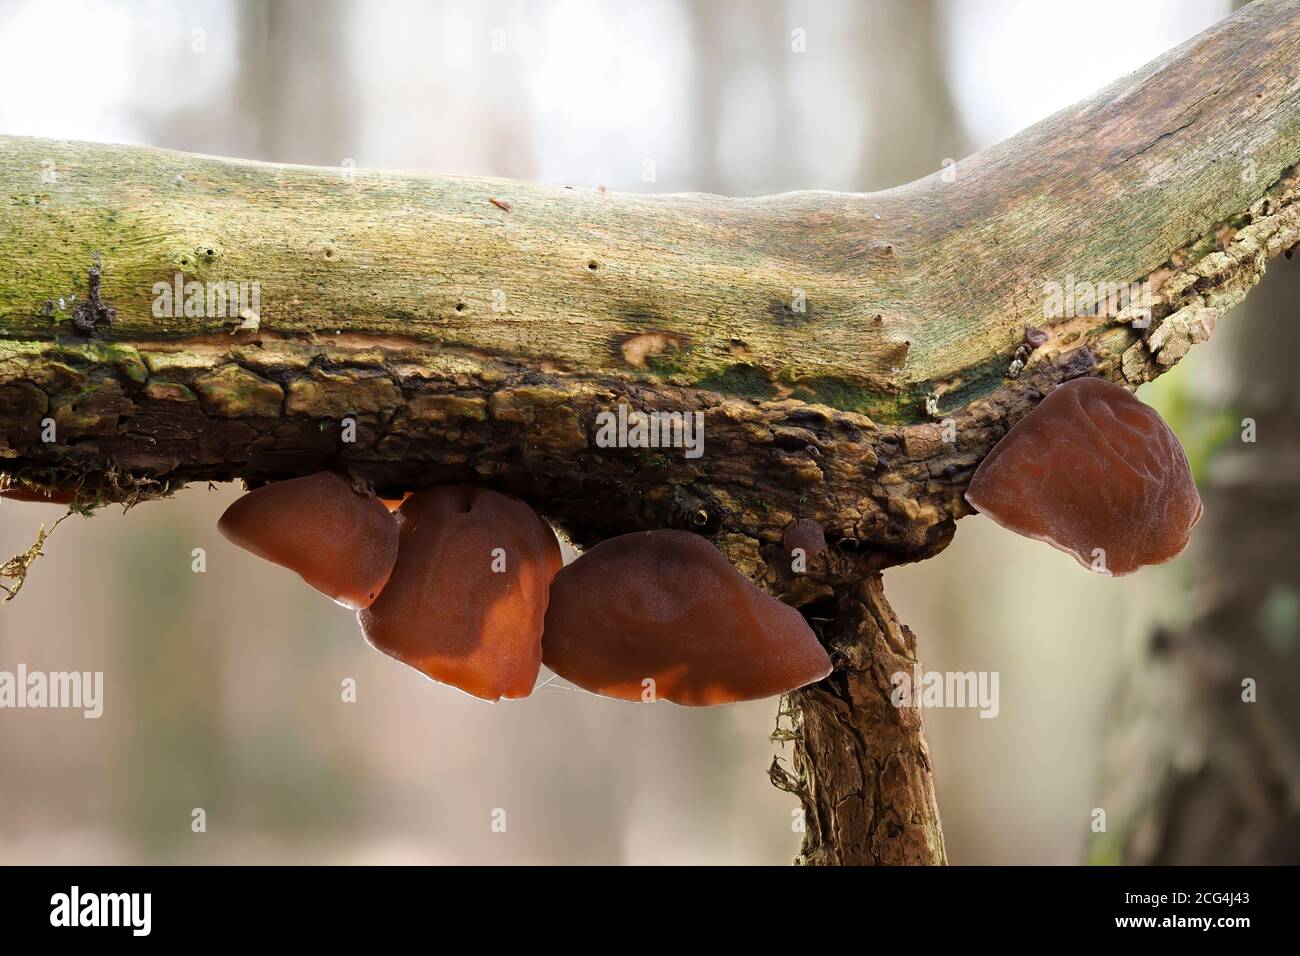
(825, 336)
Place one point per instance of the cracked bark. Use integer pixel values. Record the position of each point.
(470, 343)
(861, 765)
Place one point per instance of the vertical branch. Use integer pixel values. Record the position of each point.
(861, 766)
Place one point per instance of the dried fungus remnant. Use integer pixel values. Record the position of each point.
(92, 311)
(340, 542)
(806, 535)
(467, 599)
(1096, 473)
(638, 349)
(666, 607)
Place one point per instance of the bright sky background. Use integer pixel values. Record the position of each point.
(1017, 61)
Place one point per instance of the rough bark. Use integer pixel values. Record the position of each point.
(470, 341)
(861, 765)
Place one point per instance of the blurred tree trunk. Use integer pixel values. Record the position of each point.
(1194, 774)
(912, 124)
(295, 89)
(708, 24)
(728, 38)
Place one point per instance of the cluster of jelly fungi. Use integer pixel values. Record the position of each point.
(468, 586)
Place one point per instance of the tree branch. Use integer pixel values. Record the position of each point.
(378, 295)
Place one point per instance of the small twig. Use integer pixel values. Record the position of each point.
(16, 568)
(783, 780)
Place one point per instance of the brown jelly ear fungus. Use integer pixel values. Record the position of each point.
(55, 496)
(1096, 473)
(340, 542)
(663, 615)
(467, 599)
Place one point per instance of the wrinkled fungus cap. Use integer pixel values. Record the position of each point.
(340, 542)
(467, 599)
(667, 606)
(1094, 472)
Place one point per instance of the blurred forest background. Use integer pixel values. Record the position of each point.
(223, 688)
